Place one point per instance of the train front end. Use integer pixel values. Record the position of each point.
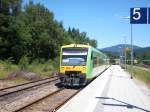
(73, 60)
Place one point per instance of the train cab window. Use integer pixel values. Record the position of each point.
(74, 56)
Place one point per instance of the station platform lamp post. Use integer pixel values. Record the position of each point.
(131, 47)
(125, 55)
(138, 16)
(131, 52)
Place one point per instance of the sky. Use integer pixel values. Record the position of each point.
(102, 20)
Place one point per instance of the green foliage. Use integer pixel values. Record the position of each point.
(7, 64)
(40, 66)
(142, 54)
(23, 63)
(34, 32)
(81, 37)
(44, 68)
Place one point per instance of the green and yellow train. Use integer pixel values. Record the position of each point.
(80, 63)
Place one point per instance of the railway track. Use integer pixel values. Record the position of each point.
(16, 97)
(48, 98)
(24, 86)
(65, 101)
(30, 96)
(51, 102)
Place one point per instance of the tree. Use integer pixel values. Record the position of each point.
(8, 11)
(33, 32)
(81, 37)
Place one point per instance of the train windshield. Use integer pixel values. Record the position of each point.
(74, 56)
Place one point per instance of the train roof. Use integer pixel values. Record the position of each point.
(76, 45)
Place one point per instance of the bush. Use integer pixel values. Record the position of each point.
(8, 64)
(24, 63)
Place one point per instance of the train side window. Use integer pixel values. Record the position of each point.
(91, 55)
(95, 61)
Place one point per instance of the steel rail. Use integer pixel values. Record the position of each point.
(60, 105)
(6, 91)
(27, 83)
(31, 103)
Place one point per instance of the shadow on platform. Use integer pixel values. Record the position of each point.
(124, 104)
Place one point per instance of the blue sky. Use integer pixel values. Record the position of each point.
(101, 19)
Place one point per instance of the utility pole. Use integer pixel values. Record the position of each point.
(125, 52)
(120, 56)
(131, 53)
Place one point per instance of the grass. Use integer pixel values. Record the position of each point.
(43, 69)
(20, 80)
(3, 73)
(6, 68)
(141, 74)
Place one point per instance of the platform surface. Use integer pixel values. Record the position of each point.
(112, 91)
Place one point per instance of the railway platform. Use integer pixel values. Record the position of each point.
(112, 91)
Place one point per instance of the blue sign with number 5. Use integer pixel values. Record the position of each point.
(149, 16)
(138, 15)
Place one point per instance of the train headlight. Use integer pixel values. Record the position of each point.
(62, 68)
(83, 68)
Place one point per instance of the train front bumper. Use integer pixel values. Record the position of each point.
(79, 80)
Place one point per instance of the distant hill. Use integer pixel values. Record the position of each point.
(139, 53)
(117, 48)
(144, 53)
(145, 49)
